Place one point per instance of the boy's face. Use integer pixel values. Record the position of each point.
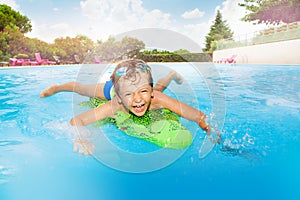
(136, 96)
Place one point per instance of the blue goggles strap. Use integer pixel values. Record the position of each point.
(123, 71)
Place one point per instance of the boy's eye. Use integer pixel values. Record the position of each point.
(143, 91)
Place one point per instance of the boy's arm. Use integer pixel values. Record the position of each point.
(82, 144)
(93, 115)
(181, 109)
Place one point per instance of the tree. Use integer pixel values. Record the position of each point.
(35, 45)
(13, 42)
(131, 46)
(113, 49)
(108, 50)
(9, 17)
(219, 30)
(13, 25)
(271, 11)
(68, 47)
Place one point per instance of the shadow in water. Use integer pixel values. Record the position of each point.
(240, 150)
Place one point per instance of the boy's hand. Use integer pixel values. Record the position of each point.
(217, 136)
(207, 129)
(81, 143)
(84, 147)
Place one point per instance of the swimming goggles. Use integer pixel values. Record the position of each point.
(123, 71)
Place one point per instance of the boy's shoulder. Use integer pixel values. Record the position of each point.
(157, 100)
(116, 106)
(159, 95)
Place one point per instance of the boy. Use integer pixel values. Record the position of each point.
(134, 92)
(130, 90)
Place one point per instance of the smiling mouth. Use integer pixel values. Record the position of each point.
(139, 108)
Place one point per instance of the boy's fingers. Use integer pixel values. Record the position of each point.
(75, 149)
(91, 148)
(89, 151)
(219, 138)
(81, 150)
(85, 148)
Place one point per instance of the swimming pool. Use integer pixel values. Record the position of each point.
(258, 159)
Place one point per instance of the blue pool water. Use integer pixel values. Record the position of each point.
(256, 107)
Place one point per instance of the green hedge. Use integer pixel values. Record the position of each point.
(187, 57)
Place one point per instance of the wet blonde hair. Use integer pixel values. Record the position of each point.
(131, 72)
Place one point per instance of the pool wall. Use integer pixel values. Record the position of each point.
(280, 53)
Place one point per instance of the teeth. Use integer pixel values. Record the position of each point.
(138, 106)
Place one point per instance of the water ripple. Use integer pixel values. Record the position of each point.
(4, 143)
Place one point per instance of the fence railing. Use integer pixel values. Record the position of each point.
(286, 32)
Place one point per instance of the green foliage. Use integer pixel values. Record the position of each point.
(130, 46)
(181, 55)
(21, 55)
(196, 57)
(4, 53)
(271, 11)
(67, 47)
(108, 50)
(13, 41)
(181, 51)
(9, 17)
(155, 52)
(219, 30)
(173, 57)
(113, 49)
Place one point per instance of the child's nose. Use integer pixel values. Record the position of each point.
(137, 97)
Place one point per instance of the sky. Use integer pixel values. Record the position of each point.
(99, 19)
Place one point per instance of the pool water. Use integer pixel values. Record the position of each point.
(259, 109)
